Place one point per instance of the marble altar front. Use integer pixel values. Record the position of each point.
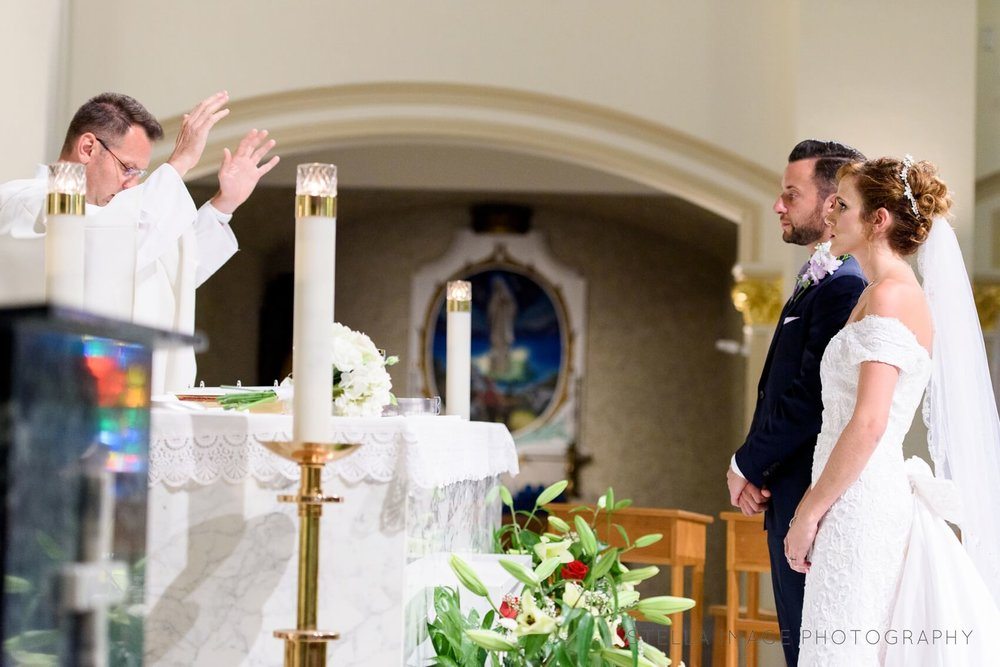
(221, 565)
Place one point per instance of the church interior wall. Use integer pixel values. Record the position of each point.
(698, 63)
(749, 78)
(663, 408)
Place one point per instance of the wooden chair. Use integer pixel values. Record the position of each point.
(746, 554)
(683, 545)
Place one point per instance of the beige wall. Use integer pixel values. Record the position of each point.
(699, 61)
(988, 85)
(31, 70)
(893, 78)
(747, 79)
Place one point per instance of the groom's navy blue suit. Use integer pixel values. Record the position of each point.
(778, 452)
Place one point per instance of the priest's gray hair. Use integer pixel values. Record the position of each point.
(109, 116)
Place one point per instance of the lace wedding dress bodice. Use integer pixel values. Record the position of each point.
(859, 551)
(885, 340)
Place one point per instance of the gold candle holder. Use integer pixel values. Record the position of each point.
(305, 646)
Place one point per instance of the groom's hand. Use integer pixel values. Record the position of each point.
(753, 500)
(736, 485)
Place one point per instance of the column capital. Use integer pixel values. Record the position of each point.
(758, 298)
(987, 295)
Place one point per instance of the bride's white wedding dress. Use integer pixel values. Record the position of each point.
(889, 582)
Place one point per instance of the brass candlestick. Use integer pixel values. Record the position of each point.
(305, 646)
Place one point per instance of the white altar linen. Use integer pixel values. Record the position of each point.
(222, 551)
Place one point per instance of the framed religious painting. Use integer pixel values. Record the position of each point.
(527, 343)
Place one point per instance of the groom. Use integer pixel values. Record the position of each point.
(773, 467)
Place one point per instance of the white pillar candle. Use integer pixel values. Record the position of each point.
(458, 362)
(312, 342)
(64, 234)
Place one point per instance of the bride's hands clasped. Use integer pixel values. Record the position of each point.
(798, 542)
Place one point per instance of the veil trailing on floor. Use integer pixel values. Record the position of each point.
(960, 409)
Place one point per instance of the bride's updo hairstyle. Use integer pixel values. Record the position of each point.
(911, 191)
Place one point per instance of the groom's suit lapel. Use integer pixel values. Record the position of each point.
(793, 303)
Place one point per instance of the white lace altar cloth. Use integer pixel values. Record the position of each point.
(221, 567)
(210, 445)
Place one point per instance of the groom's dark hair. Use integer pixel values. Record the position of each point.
(830, 157)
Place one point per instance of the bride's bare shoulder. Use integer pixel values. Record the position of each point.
(903, 300)
(891, 297)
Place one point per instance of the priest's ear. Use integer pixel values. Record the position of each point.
(83, 149)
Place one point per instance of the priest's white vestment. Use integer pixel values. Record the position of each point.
(177, 248)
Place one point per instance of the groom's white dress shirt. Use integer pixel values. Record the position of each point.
(177, 248)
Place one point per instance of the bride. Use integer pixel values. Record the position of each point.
(887, 581)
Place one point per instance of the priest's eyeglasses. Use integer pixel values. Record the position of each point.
(128, 172)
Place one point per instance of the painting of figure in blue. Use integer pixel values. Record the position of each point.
(518, 348)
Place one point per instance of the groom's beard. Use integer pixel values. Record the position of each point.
(809, 231)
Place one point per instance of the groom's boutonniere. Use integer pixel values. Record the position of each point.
(820, 265)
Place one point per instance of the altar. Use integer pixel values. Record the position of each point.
(221, 553)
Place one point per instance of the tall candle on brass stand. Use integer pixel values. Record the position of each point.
(312, 342)
(312, 370)
(458, 359)
(64, 234)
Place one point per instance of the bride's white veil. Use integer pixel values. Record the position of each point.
(960, 410)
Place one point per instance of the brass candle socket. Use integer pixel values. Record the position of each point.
(305, 646)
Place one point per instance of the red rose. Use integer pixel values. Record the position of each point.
(621, 635)
(574, 570)
(509, 607)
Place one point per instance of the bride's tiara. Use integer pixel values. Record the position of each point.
(907, 163)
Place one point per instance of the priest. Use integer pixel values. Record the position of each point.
(177, 246)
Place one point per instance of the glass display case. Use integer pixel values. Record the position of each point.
(74, 438)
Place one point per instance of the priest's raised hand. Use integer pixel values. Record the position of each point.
(193, 135)
(241, 170)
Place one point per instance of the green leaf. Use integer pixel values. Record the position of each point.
(604, 630)
(647, 540)
(490, 640)
(546, 568)
(529, 540)
(665, 605)
(587, 539)
(558, 524)
(638, 574)
(622, 504)
(244, 400)
(584, 635)
(505, 497)
(657, 618)
(15, 585)
(32, 641)
(620, 657)
(533, 644)
(621, 531)
(609, 499)
(631, 636)
(49, 546)
(520, 572)
(468, 576)
(551, 493)
(25, 659)
(603, 565)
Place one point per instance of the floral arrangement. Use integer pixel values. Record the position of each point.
(361, 383)
(820, 265)
(577, 605)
